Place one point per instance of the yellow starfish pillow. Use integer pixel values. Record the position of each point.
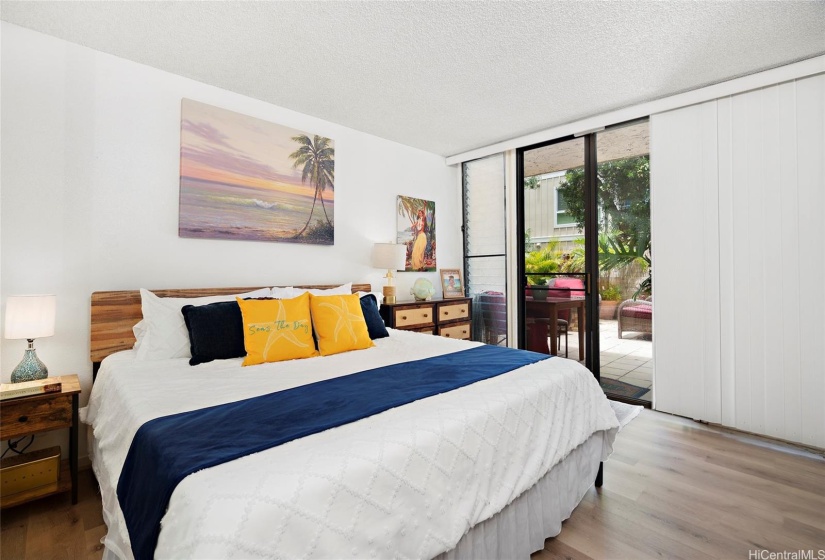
(339, 324)
(275, 330)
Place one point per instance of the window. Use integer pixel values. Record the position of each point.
(485, 248)
(563, 218)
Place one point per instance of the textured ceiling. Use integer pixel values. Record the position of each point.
(444, 77)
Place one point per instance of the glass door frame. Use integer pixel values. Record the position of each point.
(591, 255)
(591, 251)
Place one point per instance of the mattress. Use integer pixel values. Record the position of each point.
(409, 482)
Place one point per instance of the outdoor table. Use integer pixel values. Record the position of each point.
(545, 316)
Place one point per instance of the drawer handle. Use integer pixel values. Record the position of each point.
(425, 315)
(464, 332)
(23, 419)
(403, 317)
(446, 313)
(447, 335)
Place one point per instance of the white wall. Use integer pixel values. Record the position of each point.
(738, 194)
(90, 171)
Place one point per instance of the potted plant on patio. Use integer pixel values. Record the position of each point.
(541, 261)
(611, 296)
(538, 287)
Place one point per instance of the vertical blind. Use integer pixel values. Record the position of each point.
(737, 196)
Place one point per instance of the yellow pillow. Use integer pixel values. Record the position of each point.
(339, 324)
(275, 330)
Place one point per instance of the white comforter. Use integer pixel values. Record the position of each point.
(405, 483)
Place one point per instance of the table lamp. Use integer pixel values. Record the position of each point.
(392, 257)
(29, 317)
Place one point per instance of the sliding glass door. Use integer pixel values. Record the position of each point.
(554, 296)
(624, 253)
(584, 211)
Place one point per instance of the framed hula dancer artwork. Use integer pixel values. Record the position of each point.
(451, 283)
(416, 231)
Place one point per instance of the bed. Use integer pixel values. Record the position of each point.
(487, 470)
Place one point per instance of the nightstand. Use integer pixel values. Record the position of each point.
(43, 413)
(450, 318)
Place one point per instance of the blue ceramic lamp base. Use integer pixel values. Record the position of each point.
(30, 367)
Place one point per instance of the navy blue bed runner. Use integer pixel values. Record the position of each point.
(166, 450)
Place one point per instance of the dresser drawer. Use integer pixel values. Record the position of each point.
(29, 416)
(460, 331)
(413, 316)
(453, 311)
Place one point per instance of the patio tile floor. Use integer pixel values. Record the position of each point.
(628, 359)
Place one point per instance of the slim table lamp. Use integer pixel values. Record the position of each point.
(30, 317)
(390, 256)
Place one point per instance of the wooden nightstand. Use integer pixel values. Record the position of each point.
(42, 413)
(451, 318)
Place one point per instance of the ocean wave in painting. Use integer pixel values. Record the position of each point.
(210, 209)
(246, 201)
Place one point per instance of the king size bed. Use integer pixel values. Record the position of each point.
(488, 469)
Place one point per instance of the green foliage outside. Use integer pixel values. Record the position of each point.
(610, 293)
(624, 198)
(552, 259)
(545, 260)
(531, 183)
(613, 255)
(616, 254)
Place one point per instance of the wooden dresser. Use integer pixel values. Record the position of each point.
(451, 318)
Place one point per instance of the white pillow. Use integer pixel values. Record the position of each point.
(140, 331)
(165, 333)
(281, 293)
(379, 296)
(343, 290)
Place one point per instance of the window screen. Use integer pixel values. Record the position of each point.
(485, 260)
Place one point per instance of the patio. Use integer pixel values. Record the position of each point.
(629, 359)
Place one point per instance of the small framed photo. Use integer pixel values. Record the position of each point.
(451, 283)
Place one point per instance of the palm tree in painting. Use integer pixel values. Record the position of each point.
(318, 160)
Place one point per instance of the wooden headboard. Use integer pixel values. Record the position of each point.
(115, 313)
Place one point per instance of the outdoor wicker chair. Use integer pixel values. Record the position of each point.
(493, 306)
(635, 315)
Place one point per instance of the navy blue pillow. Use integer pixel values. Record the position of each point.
(215, 331)
(375, 324)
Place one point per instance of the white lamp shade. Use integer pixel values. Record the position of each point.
(389, 256)
(30, 316)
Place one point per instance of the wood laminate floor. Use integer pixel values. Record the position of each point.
(53, 528)
(673, 489)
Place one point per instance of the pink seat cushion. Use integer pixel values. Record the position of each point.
(566, 288)
(575, 285)
(638, 312)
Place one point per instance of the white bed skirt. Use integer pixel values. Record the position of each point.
(522, 527)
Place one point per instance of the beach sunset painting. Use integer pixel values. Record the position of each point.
(248, 179)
